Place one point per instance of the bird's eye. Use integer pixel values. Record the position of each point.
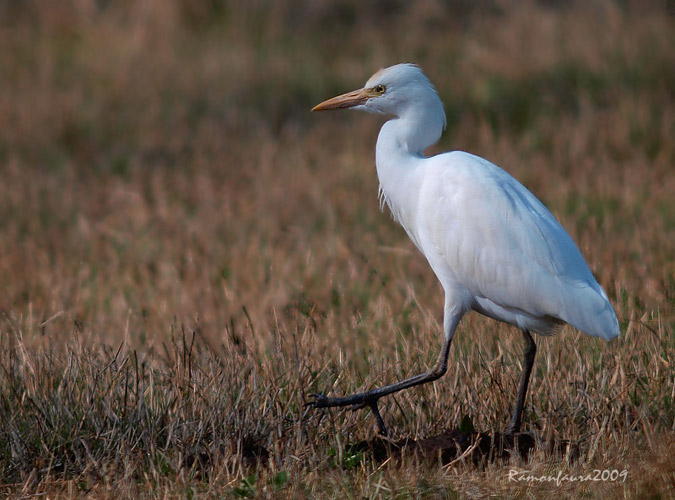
(380, 89)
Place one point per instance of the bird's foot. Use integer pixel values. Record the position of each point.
(320, 401)
(512, 429)
(355, 402)
(514, 426)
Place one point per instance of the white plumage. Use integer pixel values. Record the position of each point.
(493, 245)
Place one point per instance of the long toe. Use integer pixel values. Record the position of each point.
(320, 401)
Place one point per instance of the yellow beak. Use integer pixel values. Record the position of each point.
(348, 100)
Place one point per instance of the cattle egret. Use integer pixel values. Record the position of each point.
(493, 245)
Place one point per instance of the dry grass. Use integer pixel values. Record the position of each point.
(186, 252)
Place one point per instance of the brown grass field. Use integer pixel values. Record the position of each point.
(186, 252)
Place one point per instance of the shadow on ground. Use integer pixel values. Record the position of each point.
(447, 448)
(454, 445)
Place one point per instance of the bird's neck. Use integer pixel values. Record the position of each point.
(403, 139)
(412, 132)
(400, 153)
(396, 158)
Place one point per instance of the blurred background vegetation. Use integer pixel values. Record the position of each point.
(159, 160)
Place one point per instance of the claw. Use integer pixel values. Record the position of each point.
(320, 401)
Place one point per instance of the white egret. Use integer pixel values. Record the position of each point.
(493, 245)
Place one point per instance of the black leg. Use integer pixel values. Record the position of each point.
(530, 352)
(370, 398)
(380, 422)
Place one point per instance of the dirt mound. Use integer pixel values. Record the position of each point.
(455, 445)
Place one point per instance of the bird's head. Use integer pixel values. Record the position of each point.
(390, 91)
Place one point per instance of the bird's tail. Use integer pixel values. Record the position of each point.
(592, 313)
